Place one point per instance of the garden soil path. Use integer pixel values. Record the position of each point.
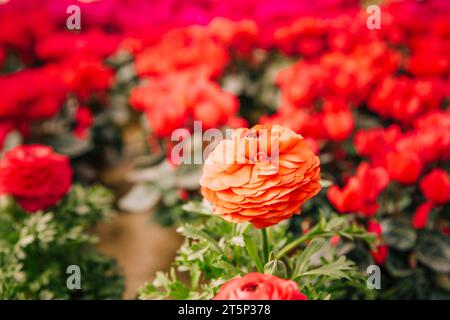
(141, 247)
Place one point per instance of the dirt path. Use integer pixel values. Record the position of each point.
(140, 246)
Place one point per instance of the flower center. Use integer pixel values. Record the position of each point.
(250, 287)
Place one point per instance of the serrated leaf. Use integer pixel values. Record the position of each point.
(252, 250)
(336, 269)
(222, 264)
(194, 233)
(304, 257)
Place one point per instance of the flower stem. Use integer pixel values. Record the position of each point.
(286, 249)
(290, 246)
(265, 245)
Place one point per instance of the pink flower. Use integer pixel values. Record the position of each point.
(257, 286)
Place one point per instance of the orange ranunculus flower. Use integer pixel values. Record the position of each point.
(261, 175)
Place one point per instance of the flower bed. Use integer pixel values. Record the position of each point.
(359, 115)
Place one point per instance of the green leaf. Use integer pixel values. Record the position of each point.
(195, 275)
(397, 267)
(433, 251)
(399, 235)
(228, 267)
(252, 250)
(194, 233)
(304, 258)
(335, 270)
(179, 291)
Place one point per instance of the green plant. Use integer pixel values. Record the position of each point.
(216, 251)
(36, 249)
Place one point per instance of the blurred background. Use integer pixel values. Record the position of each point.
(106, 82)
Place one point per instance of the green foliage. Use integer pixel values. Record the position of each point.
(215, 251)
(417, 265)
(36, 249)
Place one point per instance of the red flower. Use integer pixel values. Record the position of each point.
(306, 36)
(190, 48)
(381, 252)
(361, 192)
(2, 56)
(432, 136)
(301, 83)
(404, 167)
(35, 176)
(374, 143)
(240, 36)
(348, 198)
(338, 119)
(374, 227)
(32, 94)
(436, 186)
(83, 121)
(403, 99)
(302, 121)
(171, 101)
(67, 45)
(162, 103)
(430, 56)
(420, 217)
(85, 76)
(257, 286)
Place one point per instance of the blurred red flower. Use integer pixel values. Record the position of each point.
(35, 176)
(191, 48)
(374, 143)
(421, 214)
(83, 121)
(381, 252)
(65, 45)
(361, 192)
(32, 94)
(2, 56)
(338, 119)
(404, 167)
(171, 102)
(85, 77)
(436, 186)
(403, 99)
